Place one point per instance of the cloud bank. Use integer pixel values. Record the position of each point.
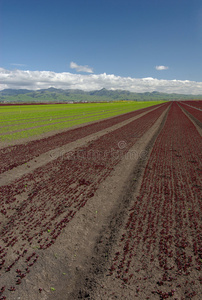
(33, 80)
(78, 68)
(160, 68)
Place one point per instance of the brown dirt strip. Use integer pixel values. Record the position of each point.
(61, 264)
(14, 156)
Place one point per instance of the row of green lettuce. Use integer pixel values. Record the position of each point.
(25, 121)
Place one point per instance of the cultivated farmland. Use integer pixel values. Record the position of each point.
(107, 210)
(25, 122)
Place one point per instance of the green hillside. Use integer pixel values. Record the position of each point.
(103, 95)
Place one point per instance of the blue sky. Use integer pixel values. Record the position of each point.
(77, 41)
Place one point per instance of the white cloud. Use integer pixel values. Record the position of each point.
(160, 68)
(78, 68)
(45, 79)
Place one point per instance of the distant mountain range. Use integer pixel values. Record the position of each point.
(70, 95)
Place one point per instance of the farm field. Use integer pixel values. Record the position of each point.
(18, 154)
(107, 210)
(27, 121)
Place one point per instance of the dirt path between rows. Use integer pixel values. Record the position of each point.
(66, 269)
(11, 175)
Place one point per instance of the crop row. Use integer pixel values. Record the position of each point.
(160, 252)
(17, 155)
(196, 103)
(35, 128)
(27, 131)
(195, 112)
(48, 118)
(38, 206)
(67, 121)
(27, 119)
